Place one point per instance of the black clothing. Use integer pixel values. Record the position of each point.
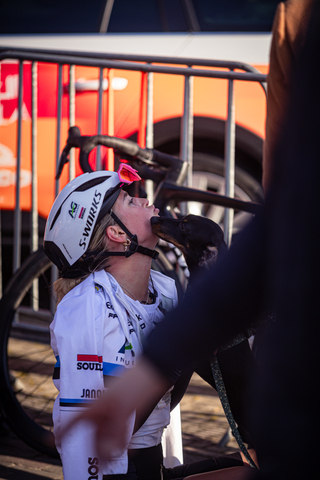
(147, 464)
(274, 265)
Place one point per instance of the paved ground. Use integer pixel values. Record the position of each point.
(203, 425)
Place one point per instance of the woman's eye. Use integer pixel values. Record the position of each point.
(131, 201)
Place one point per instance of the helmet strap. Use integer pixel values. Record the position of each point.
(133, 246)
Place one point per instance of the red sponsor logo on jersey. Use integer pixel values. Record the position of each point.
(89, 358)
(89, 362)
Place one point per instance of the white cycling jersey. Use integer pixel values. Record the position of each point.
(96, 333)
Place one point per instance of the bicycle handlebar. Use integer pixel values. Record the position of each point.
(172, 172)
(149, 157)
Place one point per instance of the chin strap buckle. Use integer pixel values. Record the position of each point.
(135, 247)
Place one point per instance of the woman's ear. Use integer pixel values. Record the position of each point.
(115, 234)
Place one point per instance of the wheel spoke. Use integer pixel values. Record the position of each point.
(215, 182)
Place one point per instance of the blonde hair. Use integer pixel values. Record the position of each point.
(98, 242)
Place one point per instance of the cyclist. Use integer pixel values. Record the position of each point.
(108, 299)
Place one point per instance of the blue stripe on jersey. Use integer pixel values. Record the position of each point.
(56, 369)
(75, 402)
(113, 369)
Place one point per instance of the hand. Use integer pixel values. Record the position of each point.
(112, 414)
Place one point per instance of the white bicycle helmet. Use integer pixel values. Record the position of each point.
(80, 205)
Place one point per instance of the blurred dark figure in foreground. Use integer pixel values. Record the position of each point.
(274, 264)
(289, 31)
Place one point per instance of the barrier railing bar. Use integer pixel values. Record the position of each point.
(99, 126)
(34, 159)
(34, 177)
(59, 117)
(142, 118)
(186, 146)
(141, 67)
(72, 118)
(54, 270)
(229, 64)
(110, 117)
(229, 165)
(17, 211)
(186, 133)
(149, 131)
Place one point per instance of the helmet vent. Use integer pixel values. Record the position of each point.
(82, 188)
(91, 183)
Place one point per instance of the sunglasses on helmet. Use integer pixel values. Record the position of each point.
(127, 174)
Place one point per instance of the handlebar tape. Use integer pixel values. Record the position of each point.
(124, 146)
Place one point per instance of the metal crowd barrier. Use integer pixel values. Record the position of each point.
(186, 67)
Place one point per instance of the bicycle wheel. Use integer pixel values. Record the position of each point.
(208, 174)
(27, 392)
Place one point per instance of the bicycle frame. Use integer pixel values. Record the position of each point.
(170, 179)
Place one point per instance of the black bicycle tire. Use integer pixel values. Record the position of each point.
(20, 423)
(17, 419)
(244, 179)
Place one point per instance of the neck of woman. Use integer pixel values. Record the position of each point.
(132, 274)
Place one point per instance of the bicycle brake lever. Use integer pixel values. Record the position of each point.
(63, 160)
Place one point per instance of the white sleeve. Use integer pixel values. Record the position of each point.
(172, 436)
(172, 440)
